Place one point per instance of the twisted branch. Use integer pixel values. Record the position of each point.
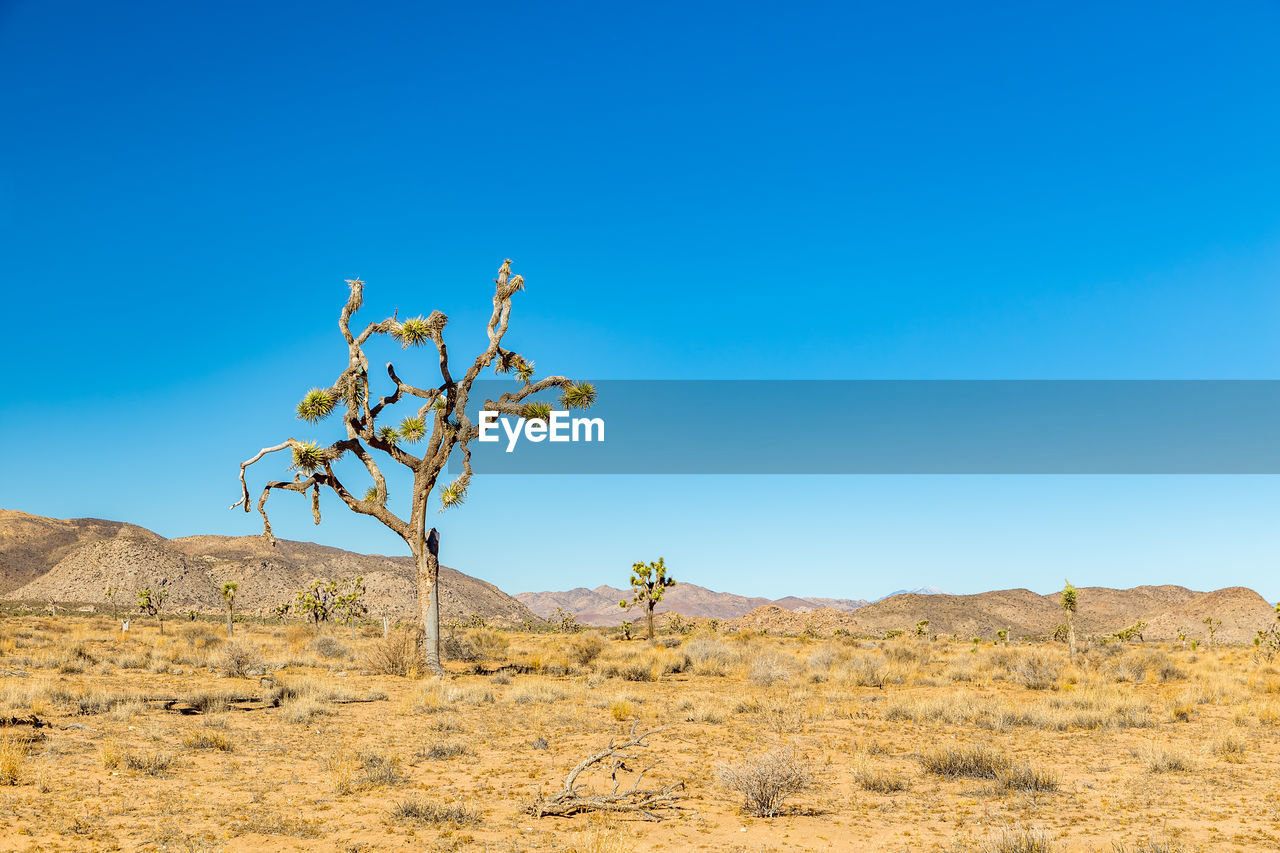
(646, 802)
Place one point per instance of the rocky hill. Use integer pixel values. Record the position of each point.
(78, 560)
(599, 606)
(1167, 611)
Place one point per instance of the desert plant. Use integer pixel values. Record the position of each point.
(976, 762)
(422, 811)
(229, 598)
(766, 782)
(239, 659)
(1212, 625)
(1069, 606)
(648, 583)
(400, 653)
(151, 601)
(443, 420)
(329, 600)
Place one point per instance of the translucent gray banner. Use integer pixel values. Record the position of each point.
(902, 427)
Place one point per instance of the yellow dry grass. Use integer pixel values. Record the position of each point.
(913, 745)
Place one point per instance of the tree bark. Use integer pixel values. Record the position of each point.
(1071, 637)
(428, 561)
(229, 621)
(648, 615)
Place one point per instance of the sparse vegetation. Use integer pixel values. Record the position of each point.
(903, 727)
(766, 782)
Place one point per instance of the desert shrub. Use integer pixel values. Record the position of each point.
(442, 750)
(207, 740)
(1165, 669)
(880, 781)
(536, 691)
(1231, 748)
(422, 811)
(199, 635)
(1164, 761)
(1021, 841)
(638, 669)
(151, 763)
(902, 653)
(13, 758)
(502, 676)
(302, 710)
(1128, 669)
(399, 653)
(710, 656)
(1037, 671)
(768, 668)
(582, 649)
(239, 659)
(766, 782)
(1024, 777)
(867, 671)
(1151, 846)
(976, 762)
(378, 770)
(329, 648)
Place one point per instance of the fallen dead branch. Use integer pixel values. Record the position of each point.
(646, 802)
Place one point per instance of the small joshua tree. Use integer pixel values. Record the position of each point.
(1069, 607)
(324, 600)
(151, 601)
(229, 598)
(1213, 625)
(442, 421)
(648, 583)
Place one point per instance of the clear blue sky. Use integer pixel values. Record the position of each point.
(888, 190)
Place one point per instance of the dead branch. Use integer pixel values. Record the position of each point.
(646, 802)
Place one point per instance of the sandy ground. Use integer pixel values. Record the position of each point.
(1147, 747)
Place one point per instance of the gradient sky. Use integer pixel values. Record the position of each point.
(889, 190)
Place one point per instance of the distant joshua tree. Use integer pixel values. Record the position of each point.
(648, 583)
(151, 601)
(229, 598)
(1213, 625)
(441, 419)
(1069, 607)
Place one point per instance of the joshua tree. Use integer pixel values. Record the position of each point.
(1069, 607)
(441, 420)
(326, 600)
(229, 597)
(648, 581)
(151, 601)
(1213, 625)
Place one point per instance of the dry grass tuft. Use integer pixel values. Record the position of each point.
(768, 781)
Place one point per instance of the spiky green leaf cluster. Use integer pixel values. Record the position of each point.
(389, 434)
(371, 494)
(441, 403)
(308, 457)
(413, 332)
(316, 405)
(356, 391)
(524, 371)
(454, 493)
(579, 395)
(413, 429)
(537, 410)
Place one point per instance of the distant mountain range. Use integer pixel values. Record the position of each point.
(920, 590)
(77, 560)
(599, 606)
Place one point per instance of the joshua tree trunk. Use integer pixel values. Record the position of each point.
(229, 629)
(160, 622)
(648, 615)
(427, 556)
(1071, 637)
